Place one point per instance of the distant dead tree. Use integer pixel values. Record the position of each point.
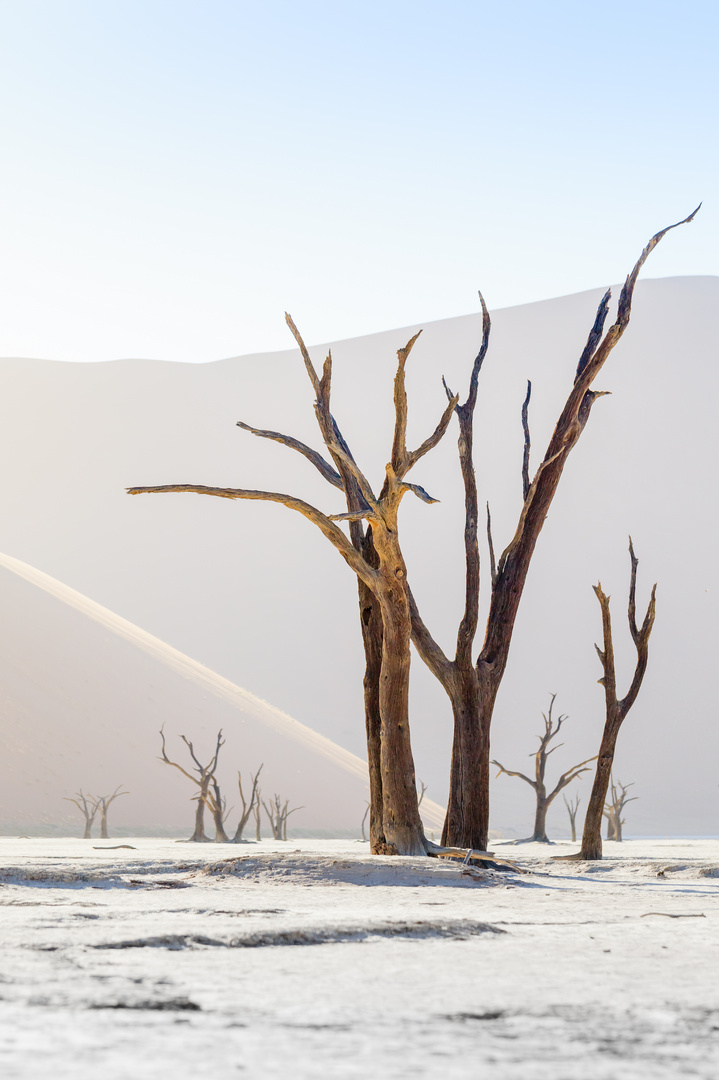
(616, 708)
(248, 806)
(544, 798)
(257, 813)
(364, 819)
(88, 806)
(472, 685)
(277, 814)
(218, 808)
(572, 806)
(103, 803)
(614, 808)
(203, 781)
(421, 792)
(373, 552)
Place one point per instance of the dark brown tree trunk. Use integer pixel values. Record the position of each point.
(371, 623)
(540, 821)
(220, 834)
(198, 836)
(592, 833)
(401, 820)
(467, 820)
(615, 709)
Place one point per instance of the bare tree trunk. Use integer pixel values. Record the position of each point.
(104, 835)
(467, 820)
(198, 836)
(371, 623)
(616, 709)
(509, 576)
(402, 824)
(540, 821)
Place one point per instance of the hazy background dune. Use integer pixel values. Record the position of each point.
(256, 594)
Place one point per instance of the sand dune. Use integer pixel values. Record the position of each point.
(82, 710)
(254, 593)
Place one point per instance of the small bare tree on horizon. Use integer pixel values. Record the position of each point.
(203, 780)
(248, 806)
(103, 803)
(572, 806)
(543, 797)
(88, 807)
(614, 808)
(277, 814)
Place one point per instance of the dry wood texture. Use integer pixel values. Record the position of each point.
(471, 685)
(373, 552)
(616, 708)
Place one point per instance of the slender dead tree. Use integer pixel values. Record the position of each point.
(88, 806)
(217, 804)
(545, 798)
(364, 819)
(103, 804)
(277, 814)
(572, 806)
(256, 811)
(373, 552)
(614, 808)
(247, 806)
(471, 685)
(616, 708)
(203, 780)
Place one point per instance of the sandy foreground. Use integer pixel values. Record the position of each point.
(313, 959)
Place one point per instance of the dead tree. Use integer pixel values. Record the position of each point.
(616, 708)
(421, 793)
(572, 806)
(471, 685)
(247, 806)
(258, 822)
(373, 552)
(203, 781)
(544, 798)
(364, 819)
(103, 804)
(88, 806)
(218, 808)
(277, 814)
(614, 808)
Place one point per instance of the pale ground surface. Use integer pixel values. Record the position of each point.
(311, 959)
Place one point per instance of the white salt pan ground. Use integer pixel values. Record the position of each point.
(301, 962)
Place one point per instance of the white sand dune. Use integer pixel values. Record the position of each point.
(83, 711)
(255, 593)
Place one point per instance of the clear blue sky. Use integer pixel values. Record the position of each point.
(176, 173)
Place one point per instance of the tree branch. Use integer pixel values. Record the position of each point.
(322, 466)
(527, 442)
(327, 527)
(532, 783)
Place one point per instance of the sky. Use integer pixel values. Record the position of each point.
(178, 173)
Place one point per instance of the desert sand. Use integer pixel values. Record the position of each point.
(314, 959)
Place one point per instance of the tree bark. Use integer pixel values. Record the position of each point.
(615, 709)
(467, 821)
(509, 577)
(198, 836)
(402, 824)
(371, 625)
